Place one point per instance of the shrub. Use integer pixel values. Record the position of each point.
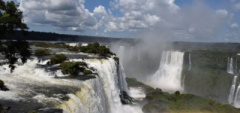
(41, 52)
(82, 64)
(116, 59)
(96, 48)
(177, 93)
(75, 49)
(73, 68)
(59, 58)
(49, 45)
(87, 72)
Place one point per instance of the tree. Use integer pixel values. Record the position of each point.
(10, 18)
(10, 21)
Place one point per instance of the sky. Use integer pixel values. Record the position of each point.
(212, 20)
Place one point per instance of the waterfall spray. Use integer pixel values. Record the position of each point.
(169, 74)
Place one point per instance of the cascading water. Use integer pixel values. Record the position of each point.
(190, 62)
(122, 79)
(232, 90)
(169, 74)
(103, 92)
(234, 95)
(237, 98)
(230, 68)
(90, 99)
(97, 95)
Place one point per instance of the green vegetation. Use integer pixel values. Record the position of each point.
(14, 50)
(96, 48)
(11, 20)
(160, 102)
(217, 46)
(73, 68)
(58, 58)
(74, 49)
(49, 45)
(87, 72)
(1, 84)
(211, 59)
(42, 52)
(208, 76)
(116, 59)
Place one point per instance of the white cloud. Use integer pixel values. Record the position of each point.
(141, 14)
(59, 13)
(196, 20)
(100, 10)
(222, 13)
(152, 19)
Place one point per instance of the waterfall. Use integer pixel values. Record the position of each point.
(237, 98)
(230, 68)
(122, 78)
(97, 95)
(232, 90)
(169, 74)
(107, 71)
(101, 95)
(190, 62)
(90, 99)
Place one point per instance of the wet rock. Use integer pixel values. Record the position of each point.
(2, 86)
(125, 98)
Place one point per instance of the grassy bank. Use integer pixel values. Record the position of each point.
(162, 102)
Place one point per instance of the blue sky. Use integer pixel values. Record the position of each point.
(188, 19)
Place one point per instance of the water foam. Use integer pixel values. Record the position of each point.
(169, 74)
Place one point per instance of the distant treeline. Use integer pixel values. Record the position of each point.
(189, 46)
(48, 36)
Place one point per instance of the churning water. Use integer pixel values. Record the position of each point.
(98, 95)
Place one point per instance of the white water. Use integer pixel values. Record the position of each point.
(25, 77)
(190, 62)
(103, 93)
(100, 95)
(137, 93)
(237, 98)
(169, 74)
(122, 79)
(232, 90)
(91, 99)
(230, 68)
